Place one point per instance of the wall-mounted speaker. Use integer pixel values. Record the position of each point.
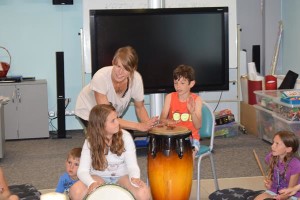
(62, 2)
(60, 89)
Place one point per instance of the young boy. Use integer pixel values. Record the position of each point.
(182, 107)
(70, 176)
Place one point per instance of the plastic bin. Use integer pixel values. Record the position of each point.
(265, 123)
(272, 100)
(227, 130)
(283, 124)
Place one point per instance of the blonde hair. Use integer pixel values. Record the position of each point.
(75, 153)
(96, 136)
(128, 58)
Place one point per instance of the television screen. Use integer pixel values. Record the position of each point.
(164, 39)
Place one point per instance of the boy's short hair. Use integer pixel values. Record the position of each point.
(75, 152)
(184, 71)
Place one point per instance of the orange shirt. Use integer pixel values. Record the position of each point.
(178, 110)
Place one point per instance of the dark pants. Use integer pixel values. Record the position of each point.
(83, 122)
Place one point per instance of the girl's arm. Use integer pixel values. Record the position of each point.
(130, 156)
(83, 171)
(290, 191)
(292, 183)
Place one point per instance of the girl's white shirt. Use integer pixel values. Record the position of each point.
(118, 166)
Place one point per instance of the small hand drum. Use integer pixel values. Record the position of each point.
(110, 192)
(53, 196)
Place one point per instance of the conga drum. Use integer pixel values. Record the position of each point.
(170, 163)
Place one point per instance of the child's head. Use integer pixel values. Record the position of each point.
(285, 144)
(184, 78)
(72, 162)
(104, 126)
(98, 118)
(184, 71)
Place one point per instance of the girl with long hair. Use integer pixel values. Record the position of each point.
(108, 156)
(283, 166)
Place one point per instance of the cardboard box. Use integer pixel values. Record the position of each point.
(248, 118)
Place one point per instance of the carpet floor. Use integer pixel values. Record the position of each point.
(40, 162)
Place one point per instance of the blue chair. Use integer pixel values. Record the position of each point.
(206, 131)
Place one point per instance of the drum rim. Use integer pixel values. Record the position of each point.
(109, 184)
(181, 135)
(157, 131)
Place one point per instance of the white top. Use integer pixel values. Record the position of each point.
(102, 83)
(117, 165)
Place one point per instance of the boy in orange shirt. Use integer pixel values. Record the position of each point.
(182, 107)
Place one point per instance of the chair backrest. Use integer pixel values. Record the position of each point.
(207, 129)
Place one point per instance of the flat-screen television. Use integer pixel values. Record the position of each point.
(165, 38)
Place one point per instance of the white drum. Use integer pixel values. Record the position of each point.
(109, 192)
(53, 196)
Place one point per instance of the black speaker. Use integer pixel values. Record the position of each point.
(60, 89)
(289, 80)
(62, 2)
(256, 56)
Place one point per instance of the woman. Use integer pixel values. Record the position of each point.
(108, 156)
(116, 85)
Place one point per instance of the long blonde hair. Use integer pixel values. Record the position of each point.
(96, 136)
(290, 140)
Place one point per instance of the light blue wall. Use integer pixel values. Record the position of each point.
(32, 31)
(291, 35)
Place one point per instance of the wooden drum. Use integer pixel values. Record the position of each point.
(170, 163)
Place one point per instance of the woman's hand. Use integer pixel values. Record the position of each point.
(146, 126)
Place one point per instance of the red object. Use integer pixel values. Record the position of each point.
(4, 67)
(253, 86)
(270, 82)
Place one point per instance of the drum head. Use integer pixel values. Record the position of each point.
(109, 192)
(170, 131)
(53, 196)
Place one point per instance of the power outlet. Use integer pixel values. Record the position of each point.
(69, 113)
(51, 114)
(67, 101)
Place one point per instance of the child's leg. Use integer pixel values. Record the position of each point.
(195, 146)
(265, 195)
(13, 197)
(78, 191)
(140, 193)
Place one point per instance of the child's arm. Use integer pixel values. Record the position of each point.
(165, 110)
(292, 183)
(290, 191)
(195, 109)
(60, 185)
